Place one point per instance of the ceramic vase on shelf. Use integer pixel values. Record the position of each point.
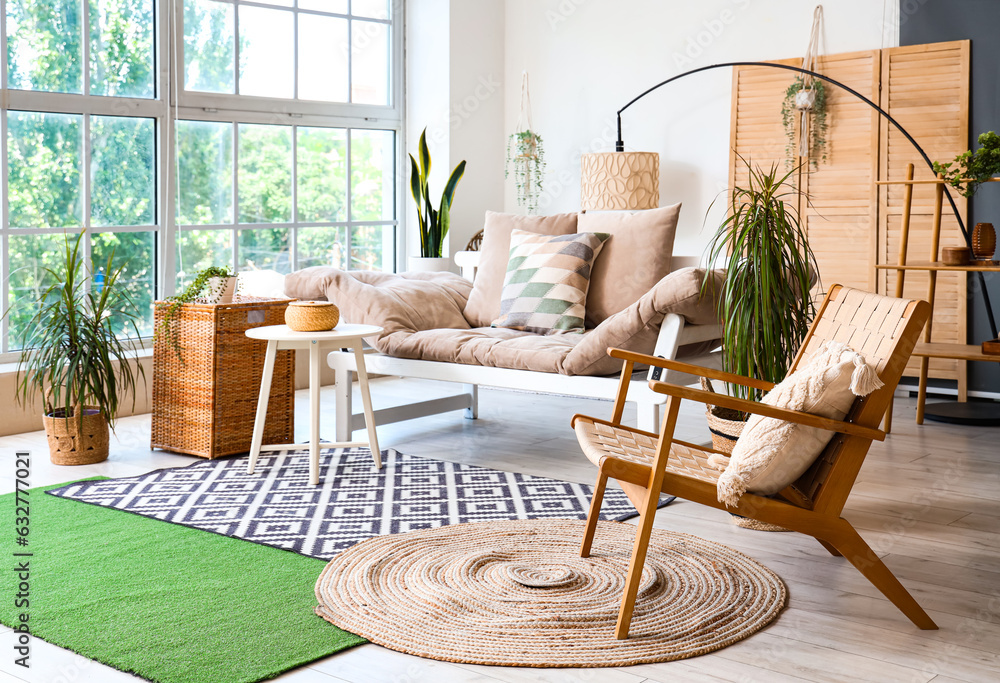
(423, 264)
(984, 241)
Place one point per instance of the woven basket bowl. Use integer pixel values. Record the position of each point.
(312, 316)
(71, 445)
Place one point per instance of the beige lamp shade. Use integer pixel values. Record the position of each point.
(627, 181)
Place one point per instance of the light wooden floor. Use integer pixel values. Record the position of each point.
(928, 501)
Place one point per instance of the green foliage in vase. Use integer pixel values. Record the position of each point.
(969, 170)
(433, 223)
(526, 160)
(73, 355)
(765, 306)
(817, 128)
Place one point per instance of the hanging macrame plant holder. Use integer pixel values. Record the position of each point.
(525, 155)
(805, 101)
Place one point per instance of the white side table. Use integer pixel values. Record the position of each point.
(281, 338)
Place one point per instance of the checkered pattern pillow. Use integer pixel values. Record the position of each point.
(547, 280)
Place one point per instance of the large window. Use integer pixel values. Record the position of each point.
(274, 146)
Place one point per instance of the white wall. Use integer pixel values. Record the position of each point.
(587, 58)
(455, 87)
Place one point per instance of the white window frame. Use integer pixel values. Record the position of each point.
(190, 105)
(172, 103)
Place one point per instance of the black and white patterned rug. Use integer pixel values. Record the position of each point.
(277, 506)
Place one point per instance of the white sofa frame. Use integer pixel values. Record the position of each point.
(674, 333)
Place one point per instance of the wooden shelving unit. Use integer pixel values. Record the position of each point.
(926, 350)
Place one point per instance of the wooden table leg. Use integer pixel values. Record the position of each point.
(366, 399)
(314, 360)
(265, 393)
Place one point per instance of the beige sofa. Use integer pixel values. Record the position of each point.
(434, 328)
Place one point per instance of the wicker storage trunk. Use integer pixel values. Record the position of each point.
(204, 402)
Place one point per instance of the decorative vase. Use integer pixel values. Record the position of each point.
(425, 264)
(220, 290)
(76, 441)
(312, 316)
(984, 241)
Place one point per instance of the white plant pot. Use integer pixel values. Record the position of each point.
(805, 100)
(421, 264)
(220, 290)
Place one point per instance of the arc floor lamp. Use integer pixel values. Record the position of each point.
(630, 180)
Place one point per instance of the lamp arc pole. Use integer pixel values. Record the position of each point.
(620, 144)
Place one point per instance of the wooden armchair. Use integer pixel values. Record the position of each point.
(882, 328)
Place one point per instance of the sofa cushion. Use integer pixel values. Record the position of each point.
(416, 301)
(635, 258)
(484, 301)
(545, 288)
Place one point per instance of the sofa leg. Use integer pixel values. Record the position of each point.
(344, 411)
(472, 412)
(648, 416)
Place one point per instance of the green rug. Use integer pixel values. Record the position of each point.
(162, 601)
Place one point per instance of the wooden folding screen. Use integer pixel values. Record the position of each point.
(853, 223)
(926, 89)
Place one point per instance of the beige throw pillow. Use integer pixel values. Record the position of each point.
(484, 301)
(545, 289)
(771, 453)
(633, 261)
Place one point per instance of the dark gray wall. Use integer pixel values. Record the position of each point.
(935, 21)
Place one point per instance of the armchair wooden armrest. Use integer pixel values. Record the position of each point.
(743, 405)
(696, 370)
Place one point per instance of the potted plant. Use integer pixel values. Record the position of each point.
(526, 159)
(764, 304)
(805, 100)
(213, 285)
(433, 223)
(969, 170)
(73, 358)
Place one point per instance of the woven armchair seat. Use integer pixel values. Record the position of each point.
(647, 465)
(601, 442)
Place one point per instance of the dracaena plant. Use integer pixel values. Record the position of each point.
(72, 355)
(765, 303)
(433, 222)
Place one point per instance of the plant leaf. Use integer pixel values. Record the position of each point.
(425, 158)
(449, 188)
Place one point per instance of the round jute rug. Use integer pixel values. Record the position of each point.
(517, 593)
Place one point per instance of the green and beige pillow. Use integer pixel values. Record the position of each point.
(545, 288)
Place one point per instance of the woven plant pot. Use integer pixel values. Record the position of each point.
(69, 444)
(312, 316)
(724, 423)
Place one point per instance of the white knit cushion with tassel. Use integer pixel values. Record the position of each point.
(773, 453)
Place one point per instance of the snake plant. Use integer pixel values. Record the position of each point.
(433, 223)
